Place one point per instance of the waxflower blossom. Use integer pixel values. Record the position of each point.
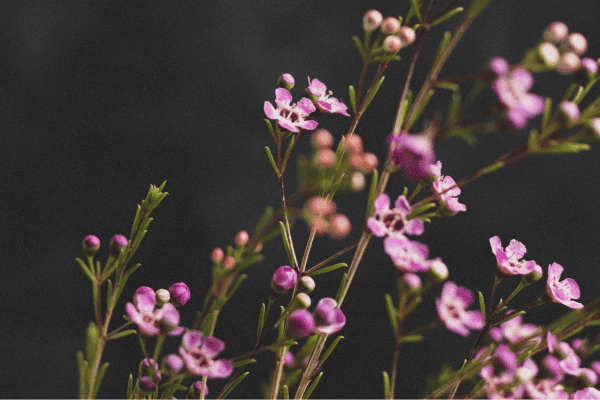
(393, 221)
(322, 99)
(180, 294)
(199, 352)
(512, 88)
(447, 193)
(508, 262)
(452, 309)
(561, 292)
(290, 116)
(328, 318)
(152, 322)
(414, 153)
(284, 279)
(407, 255)
(513, 330)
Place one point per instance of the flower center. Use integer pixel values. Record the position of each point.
(393, 221)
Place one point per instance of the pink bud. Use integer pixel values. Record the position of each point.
(229, 262)
(576, 43)
(326, 157)
(372, 20)
(390, 26)
(392, 44)
(241, 238)
(556, 32)
(569, 63)
(549, 54)
(217, 255)
(354, 143)
(340, 226)
(407, 35)
(321, 138)
(319, 206)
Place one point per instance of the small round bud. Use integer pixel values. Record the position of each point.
(568, 63)
(117, 244)
(217, 255)
(371, 20)
(307, 284)
(321, 138)
(284, 279)
(180, 294)
(319, 206)
(242, 238)
(196, 390)
(549, 54)
(499, 66)
(390, 26)
(289, 359)
(301, 302)
(577, 43)
(325, 157)
(438, 270)
(301, 323)
(392, 44)
(354, 143)
(358, 181)
(146, 385)
(590, 65)
(286, 81)
(340, 226)
(407, 35)
(258, 248)
(162, 296)
(412, 282)
(173, 362)
(369, 161)
(570, 111)
(556, 32)
(91, 244)
(228, 262)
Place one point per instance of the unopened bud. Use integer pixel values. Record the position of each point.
(325, 157)
(589, 65)
(284, 279)
(358, 181)
(372, 20)
(286, 81)
(408, 36)
(369, 161)
(228, 262)
(217, 255)
(307, 284)
(392, 44)
(438, 270)
(242, 238)
(173, 362)
(196, 390)
(117, 244)
(577, 43)
(180, 294)
(321, 138)
(301, 323)
(390, 26)
(556, 32)
(549, 54)
(354, 143)
(570, 111)
(568, 63)
(91, 244)
(340, 226)
(412, 282)
(162, 296)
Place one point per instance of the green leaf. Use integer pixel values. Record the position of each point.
(328, 269)
(452, 86)
(286, 392)
(126, 276)
(359, 46)
(290, 147)
(446, 16)
(477, 6)
(278, 345)
(391, 313)
(386, 385)
(372, 94)
(532, 143)
(130, 387)
(492, 168)
(241, 363)
(352, 93)
(99, 378)
(372, 191)
(341, 287)
(236, 286)
(261, 321)
(272, 160)
(415, 7)
(508, 318)
(234, 384)
(547, 111)
(412, 338)
(455, 103)
(122, 334)
(86, 269)
(312, 386)
(329, 350)
(442, 47)
(286, 243)
(270, 126)
(83, 373)
(262, 222)
(91, 341)
(482, 305)
(556, 147)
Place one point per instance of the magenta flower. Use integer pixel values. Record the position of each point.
(328, 318)
(301, 323)
(561, 292)
(452, 309)
(290, 116)
(152, 322)
(512, 88)
(284, 279)
(508, 262)
(407, 255)
(325, 103)
(414, 153)
(393, 222)
(198, 353)
(442, 187)
(180, 294)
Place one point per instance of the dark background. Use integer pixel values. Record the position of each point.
(98, 100)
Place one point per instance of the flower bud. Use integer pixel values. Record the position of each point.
(242, 238)
(321, 138)
(180, 294)
(325, 157)
(354, 143)
(392, 44)
(412, 282)
(173, 362)
(283, 280)
(117, 244)
(570, 111)
(407, 35)
(438, 270)
(340, 226)
(556, 32)
(146, 385)
(286, 81)
(196, 390)
(320, 206)
(217, 255)
(549, 54)
(307, 284)
(369, 161)
(91, 244)
(228, 263)
(357, 181)
(590, 65)
(162, 296)
(568, 63)
(301, 323)
(533, 276)
(390, 26)
(328, 317)
(371, 20)
(577, 43)
(289, 359)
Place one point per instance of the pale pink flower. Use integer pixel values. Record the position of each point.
(452, 309)
(290, 116)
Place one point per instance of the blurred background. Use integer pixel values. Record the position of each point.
(98, 100)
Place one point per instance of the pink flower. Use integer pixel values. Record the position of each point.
(393, 222)
(561, 292)
(452, 309)
(198, 353)
(414, 153)
(324, 102)
(512, 88)
(150, 321)
(508, 262)
(407, 255)
(442, 187)
(513, 330)
(290, 117)
(328, 318)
